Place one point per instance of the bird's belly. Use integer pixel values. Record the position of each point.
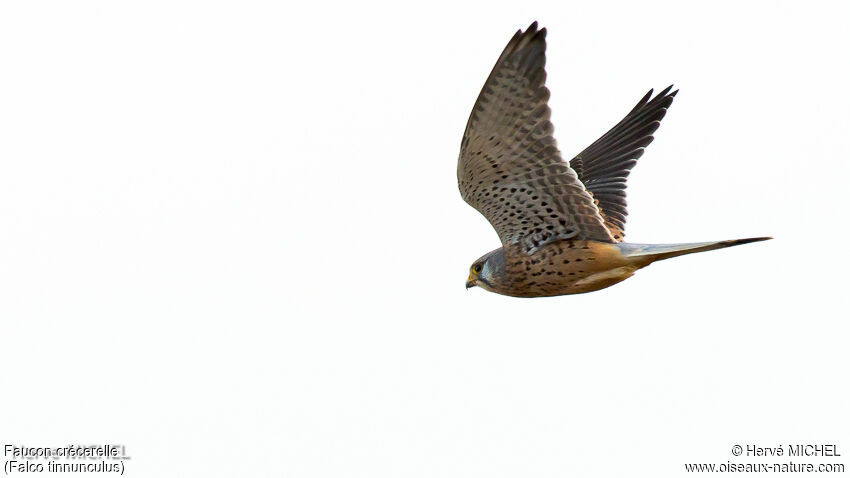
(567, 267)
(601, 280)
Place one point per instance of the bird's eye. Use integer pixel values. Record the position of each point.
(476, 268)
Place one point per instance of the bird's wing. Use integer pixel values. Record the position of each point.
(604, 165)
(510, 168)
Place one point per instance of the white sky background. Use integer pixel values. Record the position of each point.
(231, 239)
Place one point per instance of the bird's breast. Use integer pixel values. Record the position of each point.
(563, 267)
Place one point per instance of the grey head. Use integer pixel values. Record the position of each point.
(487, 270)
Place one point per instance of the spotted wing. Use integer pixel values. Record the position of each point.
(604, 165)
(510, 168)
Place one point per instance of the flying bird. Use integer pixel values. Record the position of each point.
(561, 224)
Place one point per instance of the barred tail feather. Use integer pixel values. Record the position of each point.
(659, 252)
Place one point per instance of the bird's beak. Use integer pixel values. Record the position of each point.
(470, 281)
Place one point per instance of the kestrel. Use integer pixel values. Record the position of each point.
(561, 224)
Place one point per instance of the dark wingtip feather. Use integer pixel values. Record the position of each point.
(534, 33)
(643, 101)
(665, 91)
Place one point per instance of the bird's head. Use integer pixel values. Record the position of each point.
(485, 271)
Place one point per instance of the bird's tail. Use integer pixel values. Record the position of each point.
(649, 253)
